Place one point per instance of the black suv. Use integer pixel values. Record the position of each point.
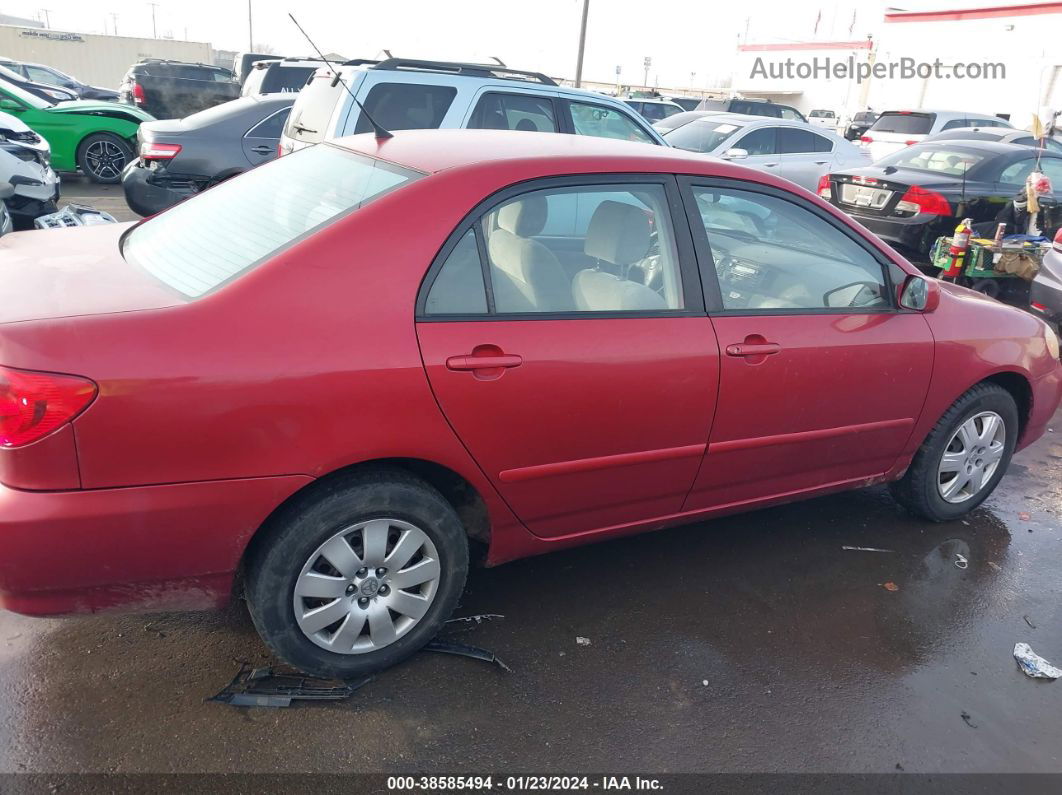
(174, 89)
(752, 107)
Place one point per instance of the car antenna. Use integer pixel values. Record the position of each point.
(381, 133)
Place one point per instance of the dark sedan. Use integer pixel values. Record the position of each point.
(50, 94)
(913, 196)
(181, 157)
(53, 78)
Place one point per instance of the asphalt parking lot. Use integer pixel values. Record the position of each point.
(76, 189)
(752, 643)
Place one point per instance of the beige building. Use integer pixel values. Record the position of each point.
(92, 58)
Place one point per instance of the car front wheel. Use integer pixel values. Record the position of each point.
(963, 458)
(359, 576)
(102, 157)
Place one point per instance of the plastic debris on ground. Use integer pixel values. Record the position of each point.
(74, 215)
(278, 687)
(583, 641)
(464, 650)
(966, 718)
(890, 586)
(960, 561)
(867, 549)
(1033, 665)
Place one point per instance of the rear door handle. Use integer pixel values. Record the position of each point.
(821, 162)
(483, 362)
(753, 349)
(263, 149)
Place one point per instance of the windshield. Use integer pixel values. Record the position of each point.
(906, 123)
(23, 96)
(937, 158)
(200, 244)
(703, 135)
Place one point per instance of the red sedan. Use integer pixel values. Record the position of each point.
(341, 372)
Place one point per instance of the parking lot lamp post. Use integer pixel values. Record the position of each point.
(582, 45)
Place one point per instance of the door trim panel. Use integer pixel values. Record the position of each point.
(808, 436)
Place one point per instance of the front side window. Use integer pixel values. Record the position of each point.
(602, 122)
(760, 141)
(607, 248)
(406, 106)
(770, 253)
(496, 111)
(200, 244)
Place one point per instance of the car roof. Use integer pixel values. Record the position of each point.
(431, 151)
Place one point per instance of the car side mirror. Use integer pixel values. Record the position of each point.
(735, 154)
(11, 105)
(920, 294)
(7, 190)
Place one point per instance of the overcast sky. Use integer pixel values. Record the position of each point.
(681, 36)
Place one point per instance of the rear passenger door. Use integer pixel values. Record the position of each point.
(803, 156)
(581, 378)
(261, 141)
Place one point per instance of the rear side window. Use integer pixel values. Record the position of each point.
(792, 140)
(271, 126)
(199, 245)
(497, 111)
(459, 288)
(406, 106)
(904, 123)
(603, 122)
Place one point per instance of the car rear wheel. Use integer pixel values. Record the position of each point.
(102, 157)
(359, 576)
(963, 458)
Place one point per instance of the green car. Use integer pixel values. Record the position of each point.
(97, 137)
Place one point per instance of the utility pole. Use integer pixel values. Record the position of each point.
(47, 19)
(619, 71)
(647, 62)
(250, 29)
(582, 46)
(154, 30)
(114, 23)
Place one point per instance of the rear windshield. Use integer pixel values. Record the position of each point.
(200, 244)
(701, 135)
(904, 123)
(281, 79)
(185, 72)
(937, 158)
(676, 120)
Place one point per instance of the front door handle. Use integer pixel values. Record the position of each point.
(263, 149)
(483, 362)
(753, 349)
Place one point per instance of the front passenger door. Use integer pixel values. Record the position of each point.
(822, 376)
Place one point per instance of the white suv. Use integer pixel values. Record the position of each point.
(895, 129)
(403, 94)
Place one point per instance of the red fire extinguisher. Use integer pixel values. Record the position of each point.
(960, 242)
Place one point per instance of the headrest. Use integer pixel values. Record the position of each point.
(597, 291)
(524, 217)
(618, 233)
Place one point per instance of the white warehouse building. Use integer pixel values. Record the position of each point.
(996, 59)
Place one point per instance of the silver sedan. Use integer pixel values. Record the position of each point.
(800, 152)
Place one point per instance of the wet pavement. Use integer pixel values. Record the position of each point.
(752, 643)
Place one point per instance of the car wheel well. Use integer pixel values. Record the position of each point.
(455, 489)
(1019, 388)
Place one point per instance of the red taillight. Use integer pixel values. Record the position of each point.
(912, 142)
(866, 139)
(138, 94)
(1038, 307)
(824, 187)
(924, 201)
(33, 404)
(1057, 245)
(154, 151)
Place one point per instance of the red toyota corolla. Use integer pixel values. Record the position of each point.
(340, 372)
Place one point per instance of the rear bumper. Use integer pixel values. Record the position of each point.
(1046, 289)
(147, 192)
(915, 234)
(146, 548)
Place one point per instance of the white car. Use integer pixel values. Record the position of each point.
(792, 149)
(895, 129)
(823, 118)
(25, 163)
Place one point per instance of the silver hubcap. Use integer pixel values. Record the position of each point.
(971, 457)
(367, 586)
(105, 159)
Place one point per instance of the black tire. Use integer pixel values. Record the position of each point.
(918, 489)
(102, 157)
(277, 558)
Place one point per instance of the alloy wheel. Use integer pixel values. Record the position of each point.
(367, 586)
(971, 457)
(105, 159)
